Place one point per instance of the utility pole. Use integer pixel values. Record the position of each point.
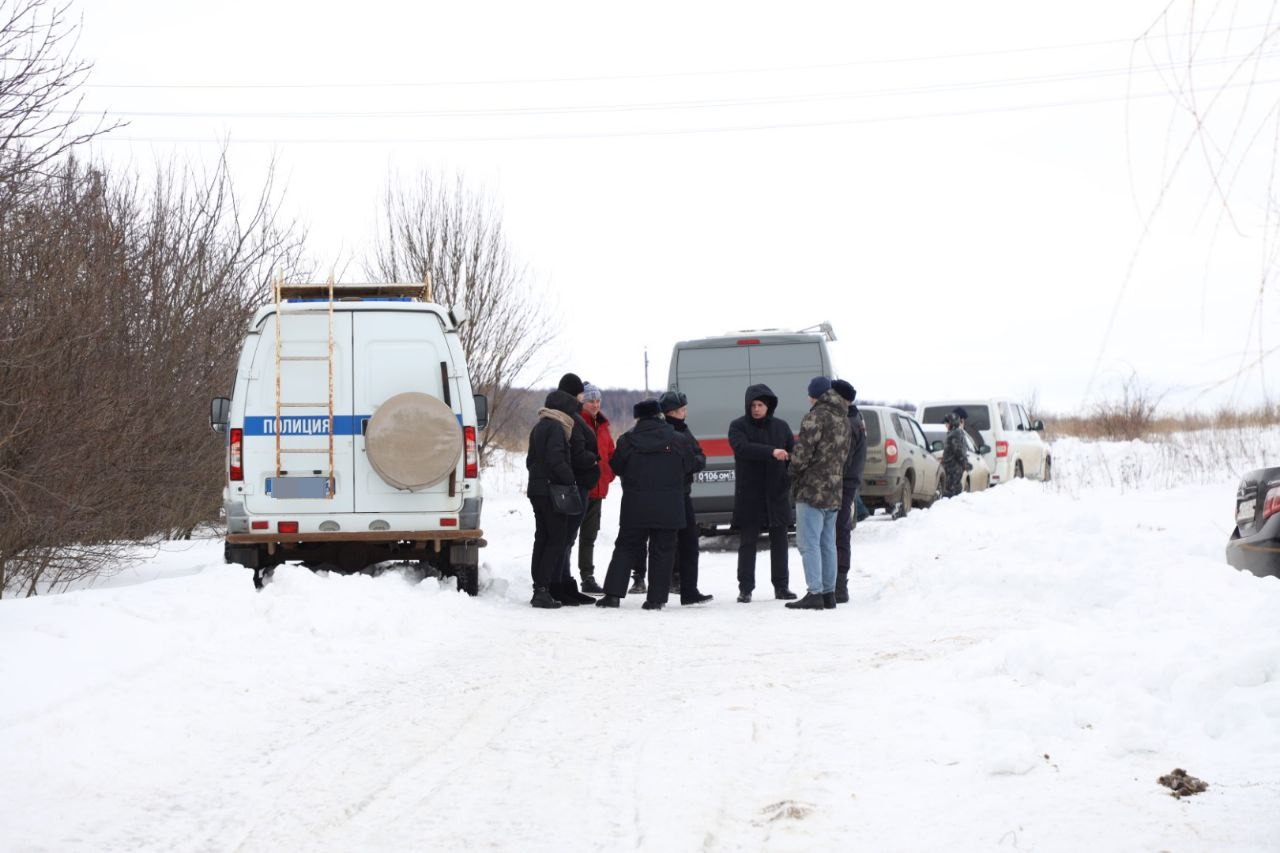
(646, 371)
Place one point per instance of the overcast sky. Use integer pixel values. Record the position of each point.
(983, 199)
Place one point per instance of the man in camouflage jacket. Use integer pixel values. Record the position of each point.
(955, 455)
(817, 483)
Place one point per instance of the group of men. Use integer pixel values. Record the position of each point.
(572, 446)
(819, 469)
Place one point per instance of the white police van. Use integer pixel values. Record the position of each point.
(351, 435)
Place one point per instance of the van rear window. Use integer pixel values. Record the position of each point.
(979, 414)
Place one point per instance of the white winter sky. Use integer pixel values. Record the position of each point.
(960, 189)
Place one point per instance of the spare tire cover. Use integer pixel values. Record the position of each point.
(413, 440)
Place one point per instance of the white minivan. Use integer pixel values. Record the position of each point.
(351, 435)
(715, 372)
(1016, 448)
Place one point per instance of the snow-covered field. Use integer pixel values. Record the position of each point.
(1015, 671)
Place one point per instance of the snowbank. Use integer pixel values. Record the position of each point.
(1015, 671)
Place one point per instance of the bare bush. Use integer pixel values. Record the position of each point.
(40, 119)
(447, 231)
(120, 314)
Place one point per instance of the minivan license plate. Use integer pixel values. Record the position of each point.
(714, 476)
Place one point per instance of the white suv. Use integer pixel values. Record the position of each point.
(1017, 448)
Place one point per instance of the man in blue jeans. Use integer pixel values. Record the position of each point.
(817, 484)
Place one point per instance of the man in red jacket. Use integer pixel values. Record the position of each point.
(591, 522)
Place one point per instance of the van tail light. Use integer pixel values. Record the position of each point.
(287, 527)
(1002, 449)
(1272, 505)
(890, 451)
(236, 470)
(472, 469)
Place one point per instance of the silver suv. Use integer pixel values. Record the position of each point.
(901, 471)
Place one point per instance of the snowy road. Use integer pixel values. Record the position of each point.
(1014, 672)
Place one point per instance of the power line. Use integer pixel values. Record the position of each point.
(668, 131)
(598, 78)
(711, 103)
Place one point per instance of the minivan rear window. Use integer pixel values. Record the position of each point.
(979, 414)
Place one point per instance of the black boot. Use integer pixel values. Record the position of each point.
(811, 601)
(638, 588)
(589, 585)
(744, 598)
(542, 598)
(608, 601)
(560, 592)
(842, 586)
(829, 601)
(695, 598)
(651, 605)
(783, 594)
(572, 591)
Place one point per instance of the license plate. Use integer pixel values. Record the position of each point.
(298, 488)
(714, 476)
(1245, 512)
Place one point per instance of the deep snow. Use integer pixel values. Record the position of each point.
(1016, 670)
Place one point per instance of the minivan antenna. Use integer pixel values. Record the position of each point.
(646, 372)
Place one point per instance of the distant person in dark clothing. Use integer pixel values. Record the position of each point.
(652, 464)
(591, 398)
(762, 446)
(846, 520)
(548, 462)
(584, 456)
(675, 407)
(955, 454)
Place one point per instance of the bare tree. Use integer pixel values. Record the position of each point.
(40, 117)
(454, 234)
(120, 314)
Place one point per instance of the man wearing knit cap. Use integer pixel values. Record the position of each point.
(585, 459)
(652, 465)
(817, 478)
(857, 461)
(599, 424)
(675, 407)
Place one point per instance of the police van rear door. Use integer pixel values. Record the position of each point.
(398, 352)
(289, 473)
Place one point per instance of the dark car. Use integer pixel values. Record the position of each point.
(1255, 543)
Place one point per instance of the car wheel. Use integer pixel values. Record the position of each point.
(1017, 470)
(469, 580)
(968, 484)
(1047, 474)
(904, 498)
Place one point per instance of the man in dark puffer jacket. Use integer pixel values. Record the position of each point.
(548, 462)
(652, 465)
(761, 445)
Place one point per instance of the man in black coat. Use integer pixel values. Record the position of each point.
(675, 406)
(548, 462)
(762, 446)
(853, 468)
(652, 465)
(584, 456)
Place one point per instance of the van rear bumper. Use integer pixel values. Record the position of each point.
(356, 536)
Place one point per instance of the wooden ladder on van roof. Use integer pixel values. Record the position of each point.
(280, 289)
